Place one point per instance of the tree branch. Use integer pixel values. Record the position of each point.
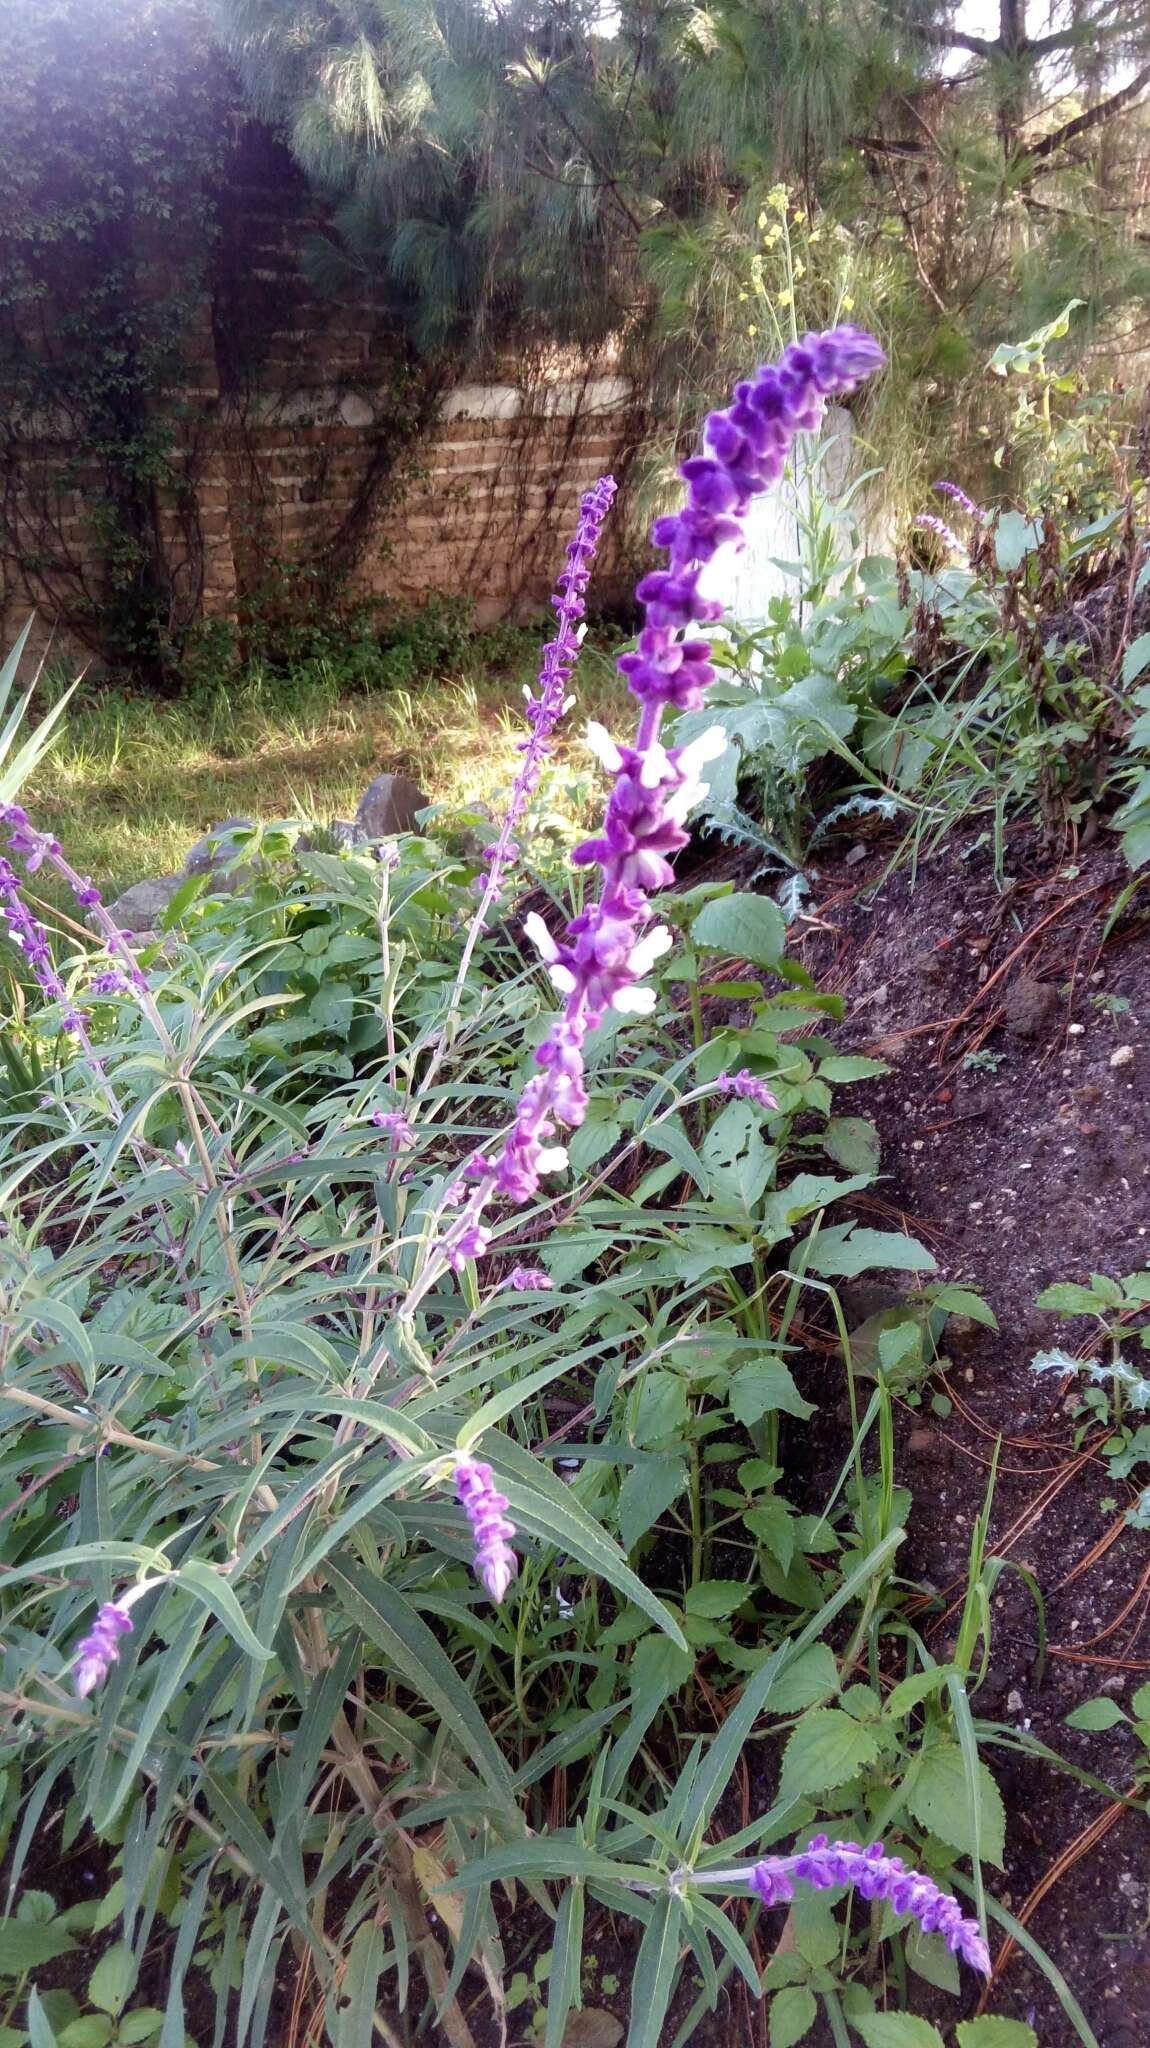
(1093, 118)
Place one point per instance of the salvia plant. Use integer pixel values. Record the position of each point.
(396, 1383)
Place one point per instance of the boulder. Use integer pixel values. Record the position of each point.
(141, 907)
(212, 854)
(388, 805)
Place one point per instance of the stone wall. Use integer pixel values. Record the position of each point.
(308, 442)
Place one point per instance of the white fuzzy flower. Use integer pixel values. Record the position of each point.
(650, 948)
(603, 747)
(535, 930)
(562, 979)
(551, 1159)
(635, 1002)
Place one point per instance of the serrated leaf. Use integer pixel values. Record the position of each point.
(793, 2014)
(744, 927)
(758, 1390)
(853, 1142)
(867, 1250)
(1096, 1714)
(1070, 1300)
(897, 2030)
(939, 1800)
(110, 1985)
(23, 1945)
(993, 2031)
(806, 1682)
(716, 1598)
(826, 1750)
(647, 1491)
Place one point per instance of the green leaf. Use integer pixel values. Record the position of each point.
(40, 2032)
(826, 1750)
(938, 1799)
(1136, 658)
(410, 1649)
(646, 1492)
(355, 2013)
(897, 2030)
(793, 2014)
(805, 1683)
(853, 1142)
(929, 1957)
(656, 1968)
(24, 1945)
(217, 1595)
(851, 1067)
(141, 2025)
(1014, 539)
(716, 1597)
(110, 1985)
(1070, 1300)
(991, 2031)
(1097, 1713)
(1140, 1704)
(864, 1250)
(737, 1162)
(758, 1390)
(745, 927)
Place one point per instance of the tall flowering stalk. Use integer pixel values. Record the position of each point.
(604, 953)
(545, 710)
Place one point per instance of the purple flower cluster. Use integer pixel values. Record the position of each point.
(486, 1510)
(605, 952)
(529, 1280)
(559, 657)
(110, 982)
(98, 1651)
(26, 932)
(34, 848)
(941, 530)
(395, 1124)
(875, 1875)
(747, 1085)
(975, 512)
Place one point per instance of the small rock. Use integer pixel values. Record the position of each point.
(141, 907)
(388, 805)
(1122, 1056)
(1031, 1007)
(219, 845)
(856, 854)
(1015, 1702)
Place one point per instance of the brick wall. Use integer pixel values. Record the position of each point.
(291, 449)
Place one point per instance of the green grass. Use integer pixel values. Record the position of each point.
(132, 781)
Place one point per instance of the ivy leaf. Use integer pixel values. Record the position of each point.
(826, 1750)
(939, 1801)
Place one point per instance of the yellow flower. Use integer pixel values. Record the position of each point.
(752, 331)
(742, 296)
(800, 270)
(762, 221)
(786, 299)
(773, 235)
(798, 214)
(848, 303)
(816, 235)
(778, 198)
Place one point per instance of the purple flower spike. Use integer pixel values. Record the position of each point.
(100, 1650)
(875, 1875)
(395, 1124)
(599, 963)
(485, 1507)
(939, 527)
(529, 1280)
(975, 512)
(110, 983)
(746, 1084)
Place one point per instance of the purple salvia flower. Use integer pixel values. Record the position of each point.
(875, 1875)
(529, 1280)
(395, 1124)
(746, 1084)
(605, 951)
(545, 710)
(485, 1507)
(98, 1651)
(110, 982)
(949, 490)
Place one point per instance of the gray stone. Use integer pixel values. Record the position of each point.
(388, 805)
(339, 835)
(211, 854)
(141, 907)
